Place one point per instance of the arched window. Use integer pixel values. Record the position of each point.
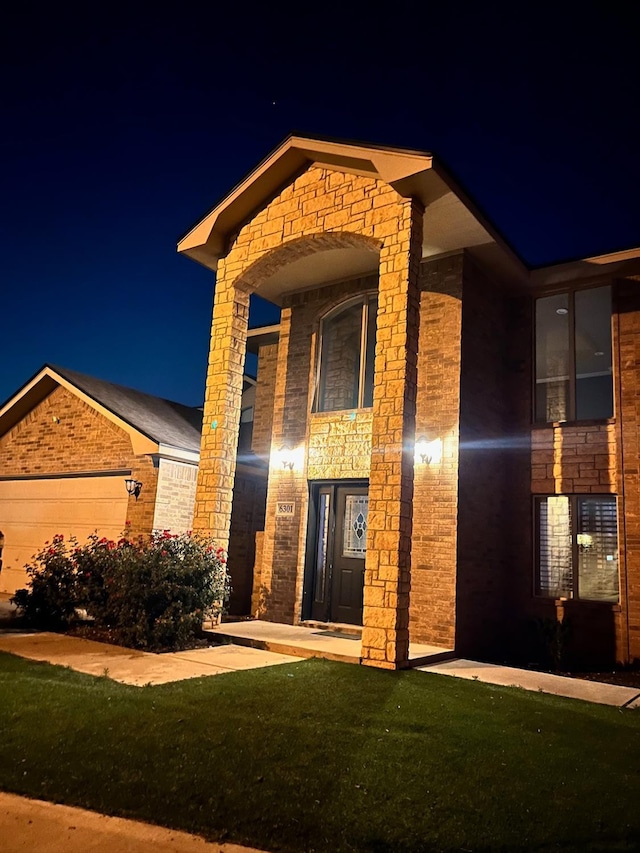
(347, 355)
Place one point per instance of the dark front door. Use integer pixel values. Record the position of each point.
(339, 545)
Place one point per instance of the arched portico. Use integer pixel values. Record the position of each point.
(361, 225)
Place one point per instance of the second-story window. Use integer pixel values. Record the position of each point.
(573, 356)
(347, 354)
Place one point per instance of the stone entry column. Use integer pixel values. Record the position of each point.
(221, 421)
(385, 635)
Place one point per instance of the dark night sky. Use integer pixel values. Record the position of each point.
(121, 129)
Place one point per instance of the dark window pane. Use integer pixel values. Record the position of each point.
(552, 358)
(340, 360)
(594, 384)
(321, 549)
(367, 396)
(597, 536)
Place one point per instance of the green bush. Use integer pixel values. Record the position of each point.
(150, 593)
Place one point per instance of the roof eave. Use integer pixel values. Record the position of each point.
(401, 168)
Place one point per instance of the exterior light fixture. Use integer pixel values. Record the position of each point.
(134, 487)
(428, 452)
(286, 456)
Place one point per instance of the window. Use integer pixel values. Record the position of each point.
(347, 355)
(573, 356)
(578, 547)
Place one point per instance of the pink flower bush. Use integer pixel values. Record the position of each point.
(153, 592)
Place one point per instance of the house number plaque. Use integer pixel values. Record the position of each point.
(285, 508)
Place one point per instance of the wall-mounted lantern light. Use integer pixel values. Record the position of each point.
(134, 487)
(286, 457)
(428, 452)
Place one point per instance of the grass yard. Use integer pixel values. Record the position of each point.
(321, 756)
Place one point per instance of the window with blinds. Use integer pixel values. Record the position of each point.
(578, 547)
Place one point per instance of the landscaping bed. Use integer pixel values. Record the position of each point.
(102, 634)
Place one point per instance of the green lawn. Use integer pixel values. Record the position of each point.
(321, 756)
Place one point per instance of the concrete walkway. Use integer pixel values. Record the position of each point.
(142, 668)
(540, 682)
(133, 667)
(33, 826)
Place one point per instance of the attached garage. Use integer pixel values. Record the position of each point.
(68, 442)
(34, 510)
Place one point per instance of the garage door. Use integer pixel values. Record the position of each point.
(33, 511)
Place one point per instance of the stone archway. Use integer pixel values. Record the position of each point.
(295, 251)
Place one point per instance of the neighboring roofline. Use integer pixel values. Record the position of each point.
(36, 389)
(142, 443)
(178, 454)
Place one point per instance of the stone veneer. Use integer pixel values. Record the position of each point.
(322, 210)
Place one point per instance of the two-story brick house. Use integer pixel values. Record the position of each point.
(452, 436)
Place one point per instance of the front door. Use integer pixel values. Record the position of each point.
(338, 541)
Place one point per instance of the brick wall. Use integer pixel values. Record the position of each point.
(435, 504)
(573, 459)
(319, 435)
(627, 332)
(339, 446)
(175, 496)
(562, 459)
(265, 392)
(247, 519)
(65, 435)
(482, 499)
(301, 220)
(80, 439)
(518, 519)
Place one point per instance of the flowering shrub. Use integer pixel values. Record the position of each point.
(52, 601)
(151, 593)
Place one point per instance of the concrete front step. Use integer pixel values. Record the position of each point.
(332, 642)
(297, 648)
(416, 659)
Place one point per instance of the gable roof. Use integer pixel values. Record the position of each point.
(452, 221)
(161, 422)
